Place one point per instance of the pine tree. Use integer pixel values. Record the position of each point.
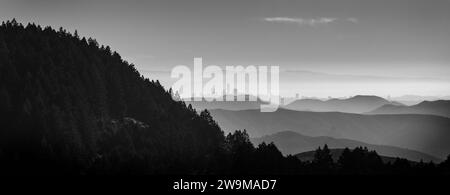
(323, 159)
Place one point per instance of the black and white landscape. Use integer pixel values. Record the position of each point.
(86, 87)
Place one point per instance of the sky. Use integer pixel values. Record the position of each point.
(404, 44)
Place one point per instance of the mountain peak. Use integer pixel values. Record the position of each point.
(367, 97)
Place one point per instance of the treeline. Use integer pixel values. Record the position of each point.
(71, 106)
(267, 159)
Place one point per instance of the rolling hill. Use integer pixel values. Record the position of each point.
(289, 142)
(425, 133)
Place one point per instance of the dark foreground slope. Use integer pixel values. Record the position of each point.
(67, 103)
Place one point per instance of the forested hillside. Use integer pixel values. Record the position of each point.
(63, 101)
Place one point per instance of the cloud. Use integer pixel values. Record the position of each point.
(353, 20)
(309, 21)
(301, 21)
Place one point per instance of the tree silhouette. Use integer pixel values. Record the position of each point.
(359, 161)
(323, 160)
(445, 166)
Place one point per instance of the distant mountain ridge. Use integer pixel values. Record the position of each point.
(416, 99)
(356, 104)
(439, 107)
(289, 142)
(227, 105)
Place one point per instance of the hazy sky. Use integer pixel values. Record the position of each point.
(396, 38)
